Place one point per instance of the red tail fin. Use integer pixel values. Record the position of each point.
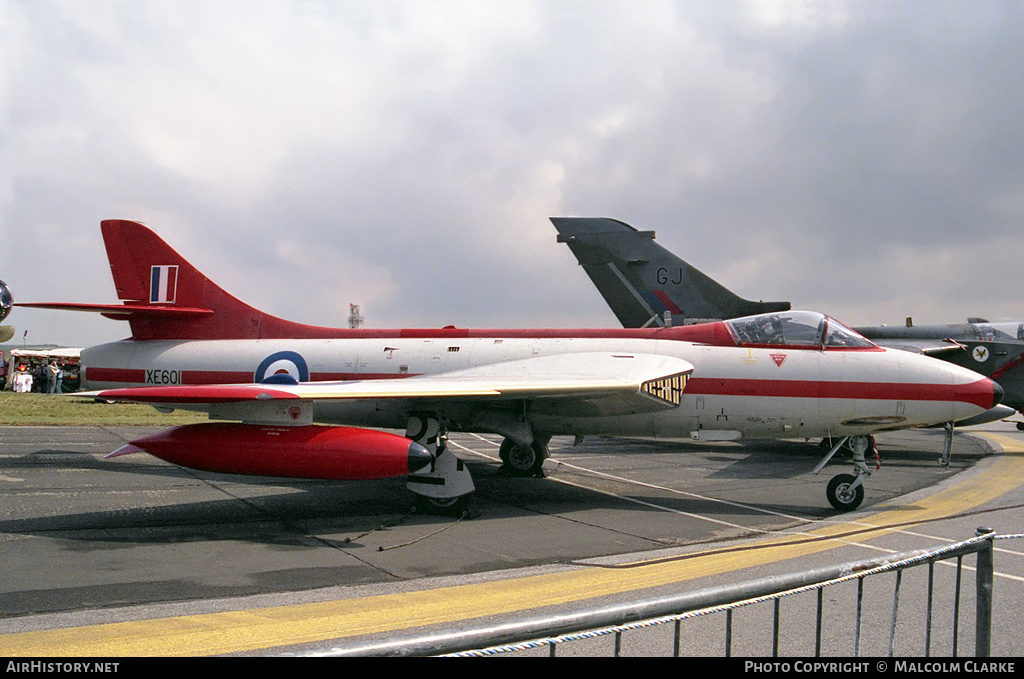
(174, 300)
(165, 297)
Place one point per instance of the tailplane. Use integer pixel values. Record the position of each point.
(645, 284)
(165, 297)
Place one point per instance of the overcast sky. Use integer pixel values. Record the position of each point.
(864, 159)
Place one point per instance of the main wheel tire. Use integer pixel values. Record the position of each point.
(842, 496)
(520, 460)
(451, 506)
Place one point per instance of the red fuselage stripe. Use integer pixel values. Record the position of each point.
(132, 376)
(977, 393)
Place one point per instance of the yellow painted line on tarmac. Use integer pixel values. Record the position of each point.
(248, 630)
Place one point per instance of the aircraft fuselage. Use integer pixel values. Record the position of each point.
(734, 392)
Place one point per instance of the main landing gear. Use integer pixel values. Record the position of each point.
(845, 491)
(447, 486)
(523, 459)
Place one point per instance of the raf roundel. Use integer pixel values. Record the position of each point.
(282, 367)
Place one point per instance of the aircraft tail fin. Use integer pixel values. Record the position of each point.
(645, 284)
(165, 297)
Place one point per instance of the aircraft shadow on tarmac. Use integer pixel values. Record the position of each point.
(760, 472)
(741, 460)
(785, 458)
(536, 496)
(278, 518)
(286, 511)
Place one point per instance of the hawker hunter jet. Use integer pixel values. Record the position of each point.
(295, 400)
(645, 284)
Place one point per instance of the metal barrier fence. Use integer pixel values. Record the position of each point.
(551, 632)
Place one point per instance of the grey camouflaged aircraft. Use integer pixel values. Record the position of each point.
(646, 285)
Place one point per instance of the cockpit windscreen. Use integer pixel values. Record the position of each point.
(798, 329)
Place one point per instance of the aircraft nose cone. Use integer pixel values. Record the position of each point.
(997, 393)
(419, 457)
(980, 393)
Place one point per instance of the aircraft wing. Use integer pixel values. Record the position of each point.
(584, 384)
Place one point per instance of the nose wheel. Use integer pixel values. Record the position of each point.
(845, 492)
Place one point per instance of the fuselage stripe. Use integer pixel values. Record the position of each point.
(977, 393)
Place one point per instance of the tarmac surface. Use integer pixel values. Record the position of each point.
(100, 556)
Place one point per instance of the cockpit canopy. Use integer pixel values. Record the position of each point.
(795, 330)
(1000, 331)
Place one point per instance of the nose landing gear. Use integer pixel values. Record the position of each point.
(845, 492)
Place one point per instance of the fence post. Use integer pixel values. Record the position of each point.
(985, 576)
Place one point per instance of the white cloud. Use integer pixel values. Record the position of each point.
(808, 16)
(406, 155)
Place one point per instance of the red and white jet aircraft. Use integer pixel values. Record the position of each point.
(795, 374)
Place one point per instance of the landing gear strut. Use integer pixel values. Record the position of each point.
(447, 486)
(947, 445)
(846, 492)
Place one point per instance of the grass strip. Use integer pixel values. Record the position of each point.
(56, 410)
